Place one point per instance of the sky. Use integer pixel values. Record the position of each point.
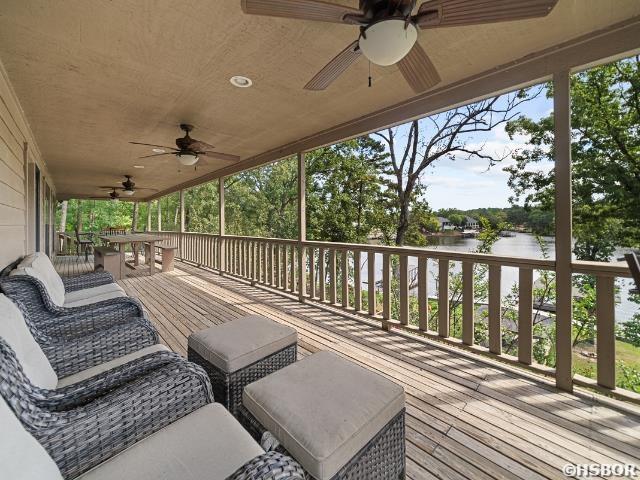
(467, 184)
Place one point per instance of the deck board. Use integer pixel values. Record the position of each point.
(466, 418)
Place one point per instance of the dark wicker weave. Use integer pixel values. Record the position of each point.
(269, 466)
(75, 349)
(88, 280)
(382, 458)
(228, 387)
(84, 424)
(43, 312)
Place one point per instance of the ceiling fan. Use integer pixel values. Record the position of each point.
(189, 150)
(389, 29)
(128, 188)
(113, 195)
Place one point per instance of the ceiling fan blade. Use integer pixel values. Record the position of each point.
(221, 156)
(452, 13)
(158, 155)
(418, 70)
(334, 68)
(152, 145)
(198, 146)
(301, 9)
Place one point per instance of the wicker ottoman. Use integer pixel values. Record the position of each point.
(239, 352)
(337, 419)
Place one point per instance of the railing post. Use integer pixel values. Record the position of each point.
(182, 224)
(605, 332)
(443, 297)
(322, 274)
(386, 291)
(423, 294)
(149, 216)
(221, 227)
(333, 294)
(468, 304)
(302, 228)
(344, 266)
(525, 316)
(495, 310)
(563, 218)
(404, 290)
(357, 282)
(371, 281)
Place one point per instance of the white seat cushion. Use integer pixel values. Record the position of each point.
(324, 409)
(39, 266)
(239, 343)
(21, 456)
(206, 444)
(91, 295)
(103, 367)
(15, 332)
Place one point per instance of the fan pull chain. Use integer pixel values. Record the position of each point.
(370, 83)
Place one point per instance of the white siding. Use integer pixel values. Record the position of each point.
(15, 136)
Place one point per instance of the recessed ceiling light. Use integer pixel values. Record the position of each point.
(138, 166)
(240, 81)
(158, 150)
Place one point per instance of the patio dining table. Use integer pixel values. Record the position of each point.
(134, 239)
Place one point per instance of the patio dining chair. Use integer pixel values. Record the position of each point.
(633, 260)
(84, 242)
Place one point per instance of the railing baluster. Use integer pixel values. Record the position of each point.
(292, 274)
(312, 273)
(386, 290)
(495, 309)
(525, 315)
(357, 282)
(272, 262)
(333, 294)
(278, 262)
(423, 294)
(322, 277)
(344, 267)
(285, 267)
(605, 339)
(443, 297)
(264, 262)
(468, 304)
(302, 271)
(404, 290)
(371, 282)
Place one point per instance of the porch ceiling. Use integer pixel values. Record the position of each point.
(94, 75)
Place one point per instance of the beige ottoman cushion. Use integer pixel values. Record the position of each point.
(237, 344)
(324, 409)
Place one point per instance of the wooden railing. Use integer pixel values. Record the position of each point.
(325, 272)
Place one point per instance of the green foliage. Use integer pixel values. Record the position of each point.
(630, 331)
(627, 377)
(96, 215)
(606, 158)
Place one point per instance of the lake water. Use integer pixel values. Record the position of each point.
(520, 245)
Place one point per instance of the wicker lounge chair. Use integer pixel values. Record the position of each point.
(206, 444)
(77, 350)
(84, 424)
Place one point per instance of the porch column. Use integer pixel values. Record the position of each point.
(302, 228)
(149, 216)
(159, 216)
(562, 144)
(181, 227)
(221, 226)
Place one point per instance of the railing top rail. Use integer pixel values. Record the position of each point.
(614, 269)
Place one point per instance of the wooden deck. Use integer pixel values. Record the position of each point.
(466, 417)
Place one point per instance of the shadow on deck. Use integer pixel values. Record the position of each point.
(466, 417)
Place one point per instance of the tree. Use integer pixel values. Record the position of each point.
(62, 224)
(344, 193)
(605, 121)
(444, 135)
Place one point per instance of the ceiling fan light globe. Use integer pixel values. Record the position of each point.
(389, 41)
(187, 159)
(129, 192)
